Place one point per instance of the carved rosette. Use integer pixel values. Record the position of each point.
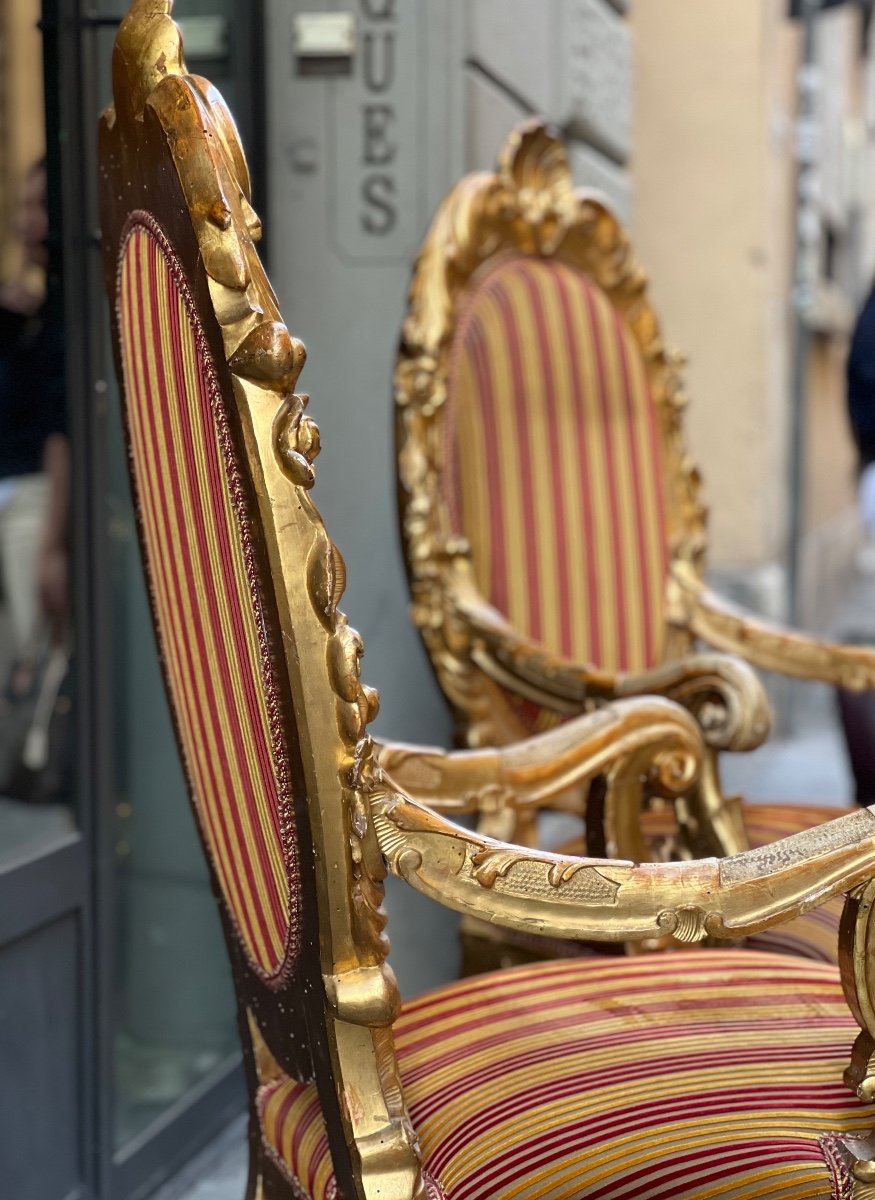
(529, 206)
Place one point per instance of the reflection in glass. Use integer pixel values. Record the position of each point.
(36, 638)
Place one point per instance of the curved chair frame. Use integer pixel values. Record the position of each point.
(529, 207)
(169, 147)
(170, 154)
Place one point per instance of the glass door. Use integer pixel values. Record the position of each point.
(45, 948)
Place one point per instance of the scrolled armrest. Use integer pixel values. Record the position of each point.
(639, 746)
(616, 900)
(723, 694)
(729, 628)
(530, 772)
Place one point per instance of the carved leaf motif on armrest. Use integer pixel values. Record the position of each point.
(616, 900)
(492, 864)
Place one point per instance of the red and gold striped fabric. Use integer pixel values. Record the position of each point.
(554, 467)
(814, 935)
(294, 1135)
(707, 1076)
(209, 608)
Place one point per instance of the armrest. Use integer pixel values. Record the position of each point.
(613, 900)
(724, 694)
(616, 901)
(530, 772)
(705, 614)
(636, 744)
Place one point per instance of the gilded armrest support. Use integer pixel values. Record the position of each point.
(637, 745)
(530, 772)
(723, 694)
(696, 608)
(613, 900)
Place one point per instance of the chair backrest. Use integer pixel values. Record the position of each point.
(539, 417)
(262, 669)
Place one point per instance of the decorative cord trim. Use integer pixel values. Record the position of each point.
(837, 1157)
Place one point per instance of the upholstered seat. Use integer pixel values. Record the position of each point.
(614, 1079)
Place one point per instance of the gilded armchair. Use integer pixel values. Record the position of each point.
(525, 1083)
(552, 520)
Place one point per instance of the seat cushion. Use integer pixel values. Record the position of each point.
(712, 1074)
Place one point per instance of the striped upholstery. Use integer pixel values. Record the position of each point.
(209, 608)
(553, 466)
(816, 934)
(296, 1140)
(294, 1132)
(711, 1075)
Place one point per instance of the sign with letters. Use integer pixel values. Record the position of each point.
(377, 136)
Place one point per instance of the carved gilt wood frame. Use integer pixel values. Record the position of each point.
(528, 207)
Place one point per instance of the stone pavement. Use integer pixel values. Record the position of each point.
(807, 766)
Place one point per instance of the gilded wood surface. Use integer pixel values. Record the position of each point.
(644, 748)
(857, 963)
(695, 608)
(613, 900)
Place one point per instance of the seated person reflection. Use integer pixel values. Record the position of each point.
(34, 508)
